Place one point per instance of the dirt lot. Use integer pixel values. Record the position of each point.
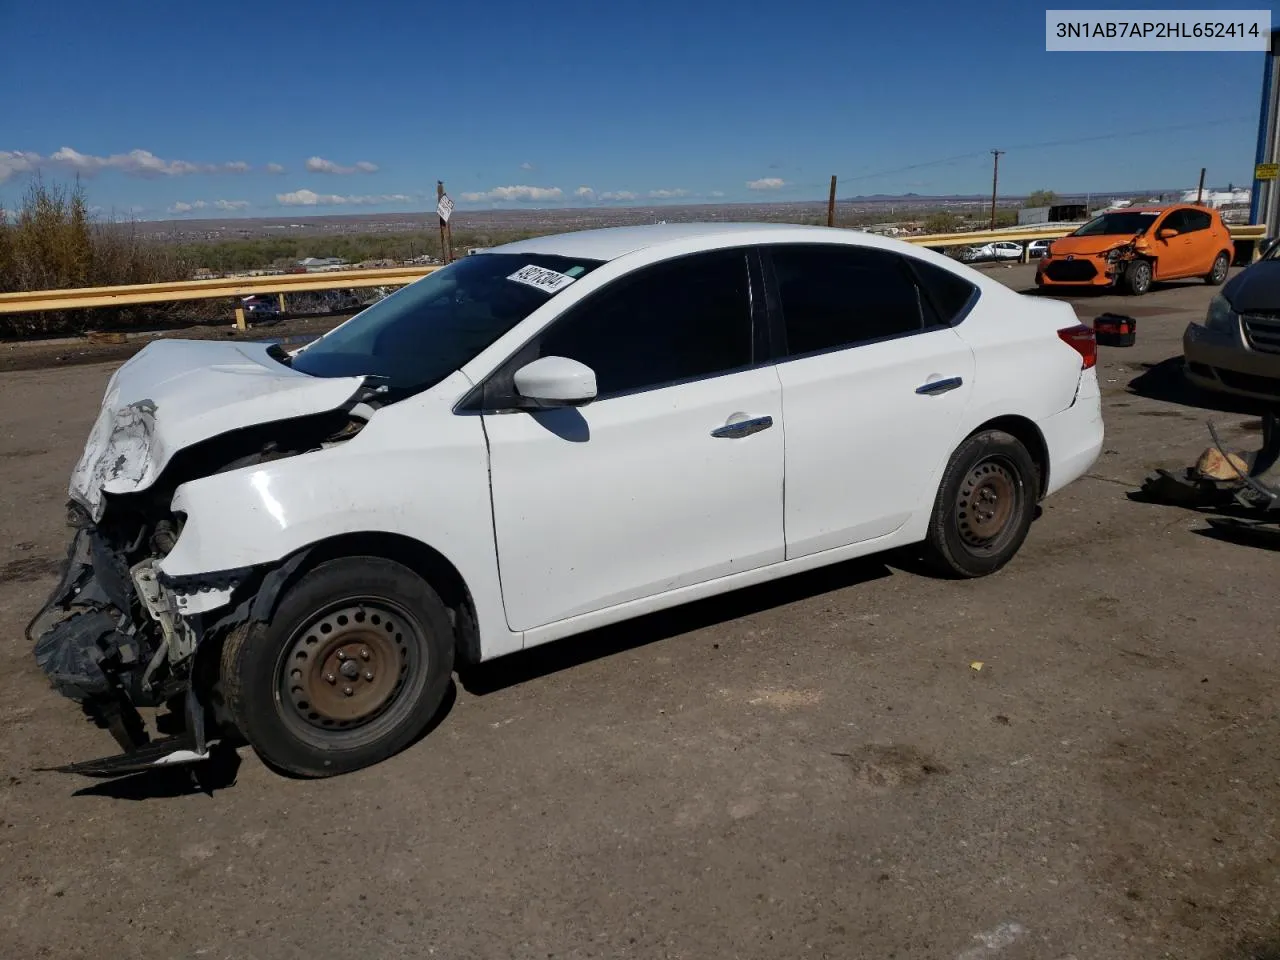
(807, 769)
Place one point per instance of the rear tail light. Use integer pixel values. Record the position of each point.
(1080, 338)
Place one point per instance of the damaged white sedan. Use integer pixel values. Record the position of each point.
(534, 441)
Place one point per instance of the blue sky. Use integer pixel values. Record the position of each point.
(290, 107)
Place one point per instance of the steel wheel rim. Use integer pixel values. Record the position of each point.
(368, 645)
(1220, 267)
(986, 505)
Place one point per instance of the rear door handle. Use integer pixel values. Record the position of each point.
(940, 386)
(743, 428)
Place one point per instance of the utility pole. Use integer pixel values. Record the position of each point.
(995, 180)
(831, 203)
(1200, 188)
(446, 232)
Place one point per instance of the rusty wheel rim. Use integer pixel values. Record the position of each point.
(347, 665)
(987, 502)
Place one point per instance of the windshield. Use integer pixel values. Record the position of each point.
(1125, 223)
(420, 334)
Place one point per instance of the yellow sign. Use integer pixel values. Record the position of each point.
(1266, 171)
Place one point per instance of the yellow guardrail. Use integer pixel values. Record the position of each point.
(284, 283)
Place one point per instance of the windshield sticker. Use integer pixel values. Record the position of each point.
(540, 278)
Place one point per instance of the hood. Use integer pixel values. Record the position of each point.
(175, 393)
(1089, 246)
(1256, 289)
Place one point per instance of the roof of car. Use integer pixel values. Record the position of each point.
(610, 243)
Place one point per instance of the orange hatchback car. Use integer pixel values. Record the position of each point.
(1132, 247)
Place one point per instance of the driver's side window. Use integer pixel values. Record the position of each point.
(1172, 222)
(682, 319)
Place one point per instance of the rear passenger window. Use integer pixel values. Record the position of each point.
(839, 296)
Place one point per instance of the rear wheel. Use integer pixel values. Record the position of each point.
(1221, 264)
(984, 506)
(349, 670)
(1137, 277)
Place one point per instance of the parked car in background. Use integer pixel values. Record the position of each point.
(1038, 248)
(301, 546)
(1133, 247)
(261, 309)
(1237, 347)
(1000, 250)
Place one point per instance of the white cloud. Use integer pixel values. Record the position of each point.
(521, 193)
(619, 195)
(526, 165)
(274, 168)
(667, 194)
(321, 165)
(136, 163)
(766, 183)
(586, 193)
(15, 162)
(184, 207)
(309, 198)
(716, 193)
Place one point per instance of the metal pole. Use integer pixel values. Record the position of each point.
(1262, 189)
(1271, 212)
(995, 179)
(831, 203)
(444, 249)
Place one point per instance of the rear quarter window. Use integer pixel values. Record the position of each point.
(950, 296)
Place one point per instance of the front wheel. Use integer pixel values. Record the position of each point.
(350, 669)
(1137, 277)
(984, 506)
(1221, 264)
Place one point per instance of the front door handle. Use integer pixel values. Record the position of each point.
(940, 386)
(743, 428)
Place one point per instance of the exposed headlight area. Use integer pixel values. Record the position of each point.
(1220, 318)
(1121, 252)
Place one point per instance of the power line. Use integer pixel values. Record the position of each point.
(1051, 143)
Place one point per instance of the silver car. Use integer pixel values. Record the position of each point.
(1236, 349)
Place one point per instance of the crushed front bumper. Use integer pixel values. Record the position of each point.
(110, 638)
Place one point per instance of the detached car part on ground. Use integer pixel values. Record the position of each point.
(299, 547)
(1133, 247)
(1228, 482)
(1237, 348)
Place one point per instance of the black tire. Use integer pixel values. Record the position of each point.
(350, 669)
(1218, 273)
(984, 506)
(1137, 277)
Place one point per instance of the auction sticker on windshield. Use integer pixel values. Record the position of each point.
(540, 278)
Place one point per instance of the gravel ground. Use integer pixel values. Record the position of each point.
(810, 768)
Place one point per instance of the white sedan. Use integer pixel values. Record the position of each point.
(537, 440)
(1000, 250)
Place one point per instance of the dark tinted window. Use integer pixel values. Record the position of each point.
(838, 296)
(679, 320)
(1173, 221)
(948, 294)
(1195, 220)
(425, 331)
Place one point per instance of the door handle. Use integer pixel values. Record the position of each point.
(940, 386)
(743, 428)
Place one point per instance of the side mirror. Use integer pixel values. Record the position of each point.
(556, 382)
(1167, 233)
